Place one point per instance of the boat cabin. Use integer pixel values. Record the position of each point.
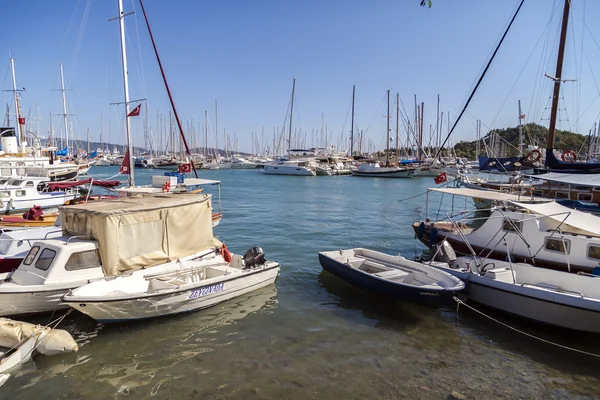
(59, 261)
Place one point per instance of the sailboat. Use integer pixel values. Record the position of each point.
(290, 164)
(372, 168)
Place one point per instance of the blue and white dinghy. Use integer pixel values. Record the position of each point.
(392, 275)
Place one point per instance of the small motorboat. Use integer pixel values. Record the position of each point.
(34, 217)
(392, 275)
(197, 284)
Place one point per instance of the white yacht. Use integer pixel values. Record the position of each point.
(21, 194)
(285, 166)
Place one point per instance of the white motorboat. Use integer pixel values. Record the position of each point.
(127, 233)
(373, 169)
(242, 163)
(21, 194)
(197, 284)
(545, 233)
(15, 244)
(552, 297)
(285, 166)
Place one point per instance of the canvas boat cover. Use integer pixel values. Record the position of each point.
(487, 194)
(136, 232)
(588, 180)
(577, 221)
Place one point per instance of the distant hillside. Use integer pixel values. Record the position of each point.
(532, 134)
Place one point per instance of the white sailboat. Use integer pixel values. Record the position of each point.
(290, 165)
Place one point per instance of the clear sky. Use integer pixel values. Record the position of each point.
(245, 54)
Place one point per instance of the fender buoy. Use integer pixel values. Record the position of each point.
(568, 156)
(534, 155)
(226, 254)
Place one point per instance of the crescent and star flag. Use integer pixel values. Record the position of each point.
(125, 167)
(440, 178)
(135, 112)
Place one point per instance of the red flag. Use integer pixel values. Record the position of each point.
(21, 120)
(185, 167)
(440, 178)
(522, 116)
(125, 168)
(135, 112)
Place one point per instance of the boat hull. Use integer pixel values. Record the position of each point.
(404, 292)
(17, 303)
(288, 170)
(385, 174)
(190, 299)
(520, 301)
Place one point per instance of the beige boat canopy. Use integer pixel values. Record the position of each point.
(136, 232)
(487, 194)
(574, 221)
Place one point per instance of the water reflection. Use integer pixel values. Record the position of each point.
(130, 356)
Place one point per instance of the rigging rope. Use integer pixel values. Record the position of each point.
(480, 79)
(459, 302)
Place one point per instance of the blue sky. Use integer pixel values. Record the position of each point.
(245, 54)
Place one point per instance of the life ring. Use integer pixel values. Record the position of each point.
(568, 156)
(534, 155)
(226, 254)
(166, 187)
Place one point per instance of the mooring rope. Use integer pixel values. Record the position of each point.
(459, 302)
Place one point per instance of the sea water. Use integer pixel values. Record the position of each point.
(311, 335)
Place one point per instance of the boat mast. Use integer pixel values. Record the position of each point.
(291, 115)
(16, 96)
(352, 127)
(558, 76)
(126, 92)
(520, 131)
(51, 139)
(205, 135)
(397, 125)
(387, 151)
(64, 104)
(217, 131)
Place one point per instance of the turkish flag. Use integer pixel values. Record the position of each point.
(125, 165)
(135, 112)
(186, 167)
(440, 178)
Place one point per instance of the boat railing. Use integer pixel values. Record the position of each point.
(553, 289)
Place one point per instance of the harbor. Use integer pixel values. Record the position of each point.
(392, 259)
(312, 334)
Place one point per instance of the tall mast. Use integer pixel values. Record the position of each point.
(51, 139)
(126, 91)
(397, 125)
(387, 151)
(101, 131)
(352, 127)
(520, 131)
(217, 131)
(558, 76)
(205, 133)
(64, 102)
(291, 115)
(16, 96)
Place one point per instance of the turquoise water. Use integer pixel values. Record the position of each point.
(311, 335)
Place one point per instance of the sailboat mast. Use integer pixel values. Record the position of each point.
(205, 135)
(520, 131)
(352, 127)
(16, 96)
(64, 104)
(387, 151)
(397, 126)
(217, 131)
(125, 91)
(558, 76)
(291, 115)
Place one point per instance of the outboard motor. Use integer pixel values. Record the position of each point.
(254, 257)
(444, 253)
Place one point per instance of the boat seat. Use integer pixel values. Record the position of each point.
(393, 273)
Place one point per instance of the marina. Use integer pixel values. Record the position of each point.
(185, 267)
(312, 333)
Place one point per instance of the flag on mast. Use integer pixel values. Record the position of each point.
(125, 167)
(135, 112)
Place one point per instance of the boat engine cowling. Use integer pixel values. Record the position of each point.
(254, 257)
(444, 253)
